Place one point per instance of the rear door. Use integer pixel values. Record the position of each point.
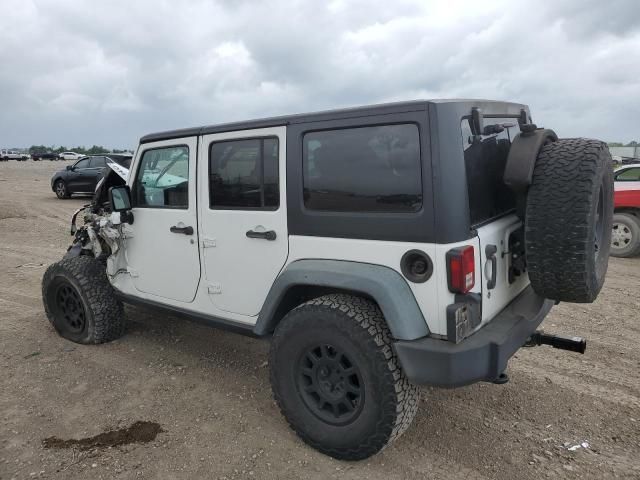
(492, 210)
(243, 216)
(162, 242)
(627, 187)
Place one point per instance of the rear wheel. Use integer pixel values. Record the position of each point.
(80, 302)
(336, 378)
(61, 189)
(568, 220)
(625, 237)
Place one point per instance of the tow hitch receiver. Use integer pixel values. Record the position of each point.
(573, 344)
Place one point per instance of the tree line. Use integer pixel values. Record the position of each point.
(94, 150)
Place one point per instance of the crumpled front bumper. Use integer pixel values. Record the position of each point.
(483, 355)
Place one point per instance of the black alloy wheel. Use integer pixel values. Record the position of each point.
(330, 384)
(70, 308)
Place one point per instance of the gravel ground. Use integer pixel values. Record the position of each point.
(209, 390)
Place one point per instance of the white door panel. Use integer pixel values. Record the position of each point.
(239, 270)
(161, 262)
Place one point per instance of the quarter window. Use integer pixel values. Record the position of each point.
(163, 179)
(363, 169)
(244, 174)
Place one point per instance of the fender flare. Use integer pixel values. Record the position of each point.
(382, 284)
(522, 157)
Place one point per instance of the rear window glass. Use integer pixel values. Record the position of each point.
(363, 169)
(485, 157)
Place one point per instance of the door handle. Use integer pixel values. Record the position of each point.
(490, 253)
(183, 230)
(268, 235)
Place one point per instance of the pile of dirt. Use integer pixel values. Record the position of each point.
(139, 432)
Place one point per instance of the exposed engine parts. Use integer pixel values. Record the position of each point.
(101, 234)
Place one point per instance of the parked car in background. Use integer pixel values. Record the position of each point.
(44, 156)
(83, 176)
(70, 156)
(625, 238)
(13, 155)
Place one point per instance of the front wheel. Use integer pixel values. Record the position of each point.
(61, 189)
(80, 303)
(336, 377)
(625, 237)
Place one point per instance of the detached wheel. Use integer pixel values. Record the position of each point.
(61, 189)
(568, 220)
(337, 380)
(80, 302)
(625, 236)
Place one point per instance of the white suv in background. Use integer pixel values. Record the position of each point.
(70, 156)
(13, 155)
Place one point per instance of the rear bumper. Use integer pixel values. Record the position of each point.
(483, 355)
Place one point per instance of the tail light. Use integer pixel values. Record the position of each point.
(461, 269)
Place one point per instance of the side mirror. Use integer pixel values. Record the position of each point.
(69, 167)
(120, 198)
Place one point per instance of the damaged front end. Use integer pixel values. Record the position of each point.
(102, 233)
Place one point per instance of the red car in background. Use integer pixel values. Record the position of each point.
(625, 239)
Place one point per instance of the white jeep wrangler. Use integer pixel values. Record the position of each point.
(378, 248)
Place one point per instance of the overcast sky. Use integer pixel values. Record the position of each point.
(106, 72)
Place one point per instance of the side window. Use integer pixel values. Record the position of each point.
(98, 162)
(629, 175)
(82, 163)
(244, 174)
(364, 169)
(162, 180)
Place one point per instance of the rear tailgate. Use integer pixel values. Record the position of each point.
(501, 244)
(492, 208)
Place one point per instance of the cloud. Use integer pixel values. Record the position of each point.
(80, 72)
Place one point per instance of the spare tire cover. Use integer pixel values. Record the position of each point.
(568, 220)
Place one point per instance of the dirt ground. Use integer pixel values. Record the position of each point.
(209, 391)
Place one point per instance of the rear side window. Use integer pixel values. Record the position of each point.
(485, 158)
(98, 162)
(629, 175)
(243, 174)
(363, 169)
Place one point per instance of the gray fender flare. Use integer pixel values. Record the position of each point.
(383, 284)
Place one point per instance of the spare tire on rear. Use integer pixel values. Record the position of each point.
(568, 219)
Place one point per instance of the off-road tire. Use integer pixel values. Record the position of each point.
(568, 220)
(354, 325)
(103, 317)
(625, 243)
(61, 189)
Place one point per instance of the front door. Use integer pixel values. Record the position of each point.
(80, 177)
(162, 251)
(243, 216)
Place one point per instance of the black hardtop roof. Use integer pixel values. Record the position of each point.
(341, 113)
